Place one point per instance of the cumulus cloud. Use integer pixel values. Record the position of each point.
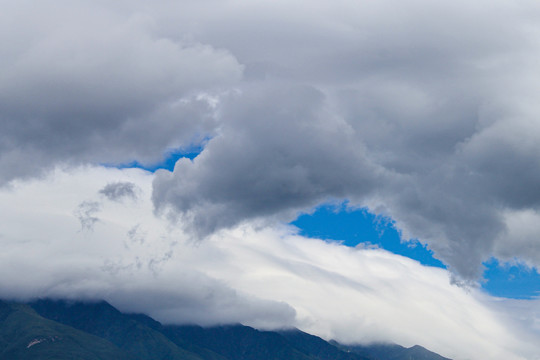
(418, 111)
(85, 82)
(282, 150)
(268, 278)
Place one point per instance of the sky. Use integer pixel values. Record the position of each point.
(364, 171)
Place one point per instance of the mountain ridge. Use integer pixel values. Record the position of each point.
(61, 330)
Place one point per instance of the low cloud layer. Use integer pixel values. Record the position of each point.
(82, 245)
(268, 278)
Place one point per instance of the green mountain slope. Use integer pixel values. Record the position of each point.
(138, 340)
(26, 335)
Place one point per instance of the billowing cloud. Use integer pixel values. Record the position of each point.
(84, 82)
(422, 112)
(281, 150)
(268, 278)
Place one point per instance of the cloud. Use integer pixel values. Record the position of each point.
(370, 295)
(266, 277)
(86, 212)
(424, 112)
(419, 111)
(282, 150)
(118, 191)
(85, 82)
(127, 254)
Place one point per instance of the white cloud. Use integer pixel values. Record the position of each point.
(267, 277)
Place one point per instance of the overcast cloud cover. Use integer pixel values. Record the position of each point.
(423, 111)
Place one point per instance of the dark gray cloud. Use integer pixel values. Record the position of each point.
(278, 154)
(117, 191)
(92, 83)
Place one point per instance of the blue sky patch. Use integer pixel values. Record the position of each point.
(169, 160)
(353, 227)
(511, 280)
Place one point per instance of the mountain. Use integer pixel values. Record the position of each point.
(317, 347)
(26, 335)
(138, 340)
(391, 352)
(238, 342)
(66, 330)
